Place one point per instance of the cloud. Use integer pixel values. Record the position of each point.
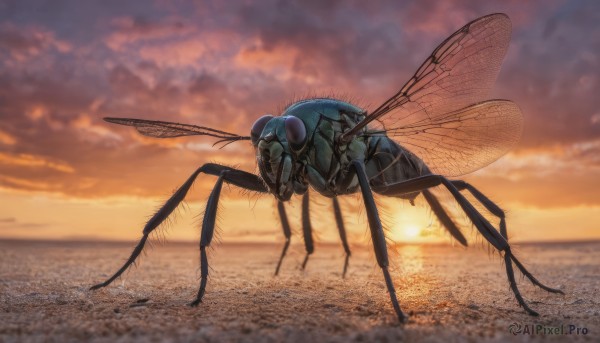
(26, 184)
(7, 139)
(12, 223)
(129, 30)
(577, 158)
(33, 161)
(554, 176)
(23, 43)
(225, 67)
(93, 132)
(207, 85)
(173, 54)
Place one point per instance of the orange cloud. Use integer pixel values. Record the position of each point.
(129, 30)
(92, 132)
(275, 60)
(178, 53)
(34, 161)
(19, 183)
(7, 139)
(547, 161)
(224, 68)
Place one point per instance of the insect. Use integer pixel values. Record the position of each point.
(440, 124)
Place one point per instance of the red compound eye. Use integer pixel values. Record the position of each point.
(258, 127)
(295, 132)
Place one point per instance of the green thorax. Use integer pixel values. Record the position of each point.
(323, 162)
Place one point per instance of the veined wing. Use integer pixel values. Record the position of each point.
(163, 129)
(459, 73)
(463, 141)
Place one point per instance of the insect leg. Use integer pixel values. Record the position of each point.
(501, 244)
(208, 229)
(427, 181)
(152, 224)
(243, 179)
(340, 224)
(232, 176)
(286, 231)
(484, 227)
(377, 235)
(306, 229)
(498, 212)
(443, 216)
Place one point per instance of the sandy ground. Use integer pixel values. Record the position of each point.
(451, 293)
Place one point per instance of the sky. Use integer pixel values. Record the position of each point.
(64, 65)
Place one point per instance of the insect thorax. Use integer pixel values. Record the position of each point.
(324, 162)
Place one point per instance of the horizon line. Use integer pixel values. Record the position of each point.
(254, 242)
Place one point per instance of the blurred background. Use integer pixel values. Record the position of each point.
(66, 174)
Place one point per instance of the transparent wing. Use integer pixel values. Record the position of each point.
(459, 73)
(163, 129)
(463, 141)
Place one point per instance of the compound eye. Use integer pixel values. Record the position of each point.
(295, 132)
(258, 127)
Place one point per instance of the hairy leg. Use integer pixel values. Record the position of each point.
(307, 229)
(236, 177)
(486, 229)
(377, 235)
(443, 216)
(498, 212)
(285, 224)
(342, 230)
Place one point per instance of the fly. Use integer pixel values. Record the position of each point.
(439, 125)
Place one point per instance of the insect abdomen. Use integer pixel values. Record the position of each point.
(387, 162)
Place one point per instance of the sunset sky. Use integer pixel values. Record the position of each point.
(64, 65)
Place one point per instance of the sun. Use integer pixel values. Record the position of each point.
(411, 231)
